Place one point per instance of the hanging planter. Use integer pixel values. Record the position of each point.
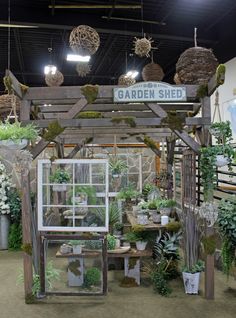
(60, 177)
(143, 46)
(84, 40)
(152, 72)
(196, 65)
(14, 145)
(126, 80)
(54, 79)
(209, 212)
(222, 161)
(191, 282)
(59, 187)
(83, 69)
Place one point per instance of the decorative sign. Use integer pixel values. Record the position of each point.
(149, 92)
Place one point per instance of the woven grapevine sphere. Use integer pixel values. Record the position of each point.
(196, 65)
(126, 80)
(83, 69)
(176, 79)
(84, 40)
(54, 79)
(152, 72)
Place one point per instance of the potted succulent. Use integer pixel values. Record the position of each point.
(165, 206)
(191, 277)
(16, 136)
(117, 167)
(60, 177)
(76, 246)
(128, 194)
(156, 216)
(139, 235)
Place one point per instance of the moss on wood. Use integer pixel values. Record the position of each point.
(220, 72)
(202, 91)
(150, 143)
(89, 114)
(90, 92)
(209, 244)
(29, 299)
(126, 119)
(54, 129)
(173, 120)
(174, 226)
(27, 248)
(73, 267)
(128, 282)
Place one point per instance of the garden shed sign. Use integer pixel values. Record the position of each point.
(149, 92)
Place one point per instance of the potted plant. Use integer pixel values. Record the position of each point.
(227, 228)
(76, 246)
(16, 136)
(165, 206)
(139, 235)
(118, 228)
(142, 213)
(156, 216)
(191, 277)
(60, 177)
(117, 167)
(128, 194)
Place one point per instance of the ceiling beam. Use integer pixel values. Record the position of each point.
(19, 53)
(96, 6)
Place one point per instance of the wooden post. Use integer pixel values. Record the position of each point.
(27, 240)
(170, 146)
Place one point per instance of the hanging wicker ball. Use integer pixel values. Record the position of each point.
(126, 80)
(6, 103)
(143, 46)
(152, 72)
(84, 40)
(83, 69)
(196, 65)
(176, 79)
(54, 79)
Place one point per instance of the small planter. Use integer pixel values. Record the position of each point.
(20, 144)
(77, 249)
(164, 219)
(221, 161)
(156, 217)
(141, 245)
(142, 218)
(191, 282)
(59, 187)
(165, 211)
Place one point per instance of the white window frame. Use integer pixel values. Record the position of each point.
(42, 227)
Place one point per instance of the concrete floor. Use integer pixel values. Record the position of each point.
(120, 302)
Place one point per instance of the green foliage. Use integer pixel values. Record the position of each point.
(174, 120)
(60, 176)
(14, 202)
(76, 242)
(138, 233)
(147, 189)
(16, 132)
(150, 143)
(198, 267)
(219, 72)
(15, 237)
(90, 92)
(93, 244)
(160, 283)
(114, 215)
(27, 248)
(92, 277)
(126, 119)
(166, 203)
(111, 242)
(228, 256)
(152, 205)
(222, 131)
(167, 246)
(89, 114)
(117, 166)
(202, 91)
(118, 226)
(209, 244)
(173, 226)
(54, 129)
(129, 192)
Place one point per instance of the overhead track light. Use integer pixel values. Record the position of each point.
(78, 58)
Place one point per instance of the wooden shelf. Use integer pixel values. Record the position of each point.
(149, 227)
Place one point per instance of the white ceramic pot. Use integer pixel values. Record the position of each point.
(77, 249)
(14, 145)
(164, 219)
(165, 211)
(4, 231)
(221, 160)
(141, 245)
(191, 282)
(59, 187)
(156, 217)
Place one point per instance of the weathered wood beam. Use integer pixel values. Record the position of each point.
(16, 86)
(38, 148)
(137, 114)
(74, 151)
(155, 150)
(192, 121)
(25, 110)
(116, 130)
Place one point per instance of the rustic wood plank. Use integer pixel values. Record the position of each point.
(16, 86)
(76, 109)
(25, 110)
(148, 227)
(26, 233)
(137, 114)
(38, 148)
(74, 151)
(188, 140)
(157, 110)
(200, 121)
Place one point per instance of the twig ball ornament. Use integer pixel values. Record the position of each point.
(84, 40)
(83, 69)
(126, 80)
(196, 65)
(176, 79)
(152, 72)
(54, 79)
(143, 46)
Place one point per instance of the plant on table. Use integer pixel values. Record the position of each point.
(227, 228)
(128, 194)
(166, 203)
(139, 235)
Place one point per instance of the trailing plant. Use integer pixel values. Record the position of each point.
(126, 119)
(14, 202)
(54, 129)
(90, 92)
(5, 185)
(89, 114)
(16, 132)
(15, 237)
(60, 176)
(222, 131)
(92, 277)
(117, 166)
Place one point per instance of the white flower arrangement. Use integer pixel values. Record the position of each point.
(4, 187)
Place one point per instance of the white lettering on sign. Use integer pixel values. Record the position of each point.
(149, 92)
